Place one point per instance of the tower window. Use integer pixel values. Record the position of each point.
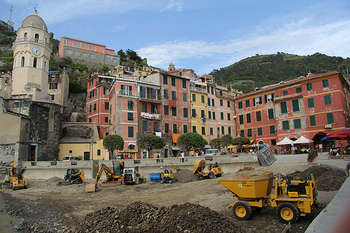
(25, 36)
(36, 37)
(22, 61)
(35, 61)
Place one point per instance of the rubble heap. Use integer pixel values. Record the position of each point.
(185, 176)
(143, 217)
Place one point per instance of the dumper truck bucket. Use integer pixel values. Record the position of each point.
(265, 155)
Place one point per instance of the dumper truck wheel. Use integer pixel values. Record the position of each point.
(288, 213)
(242, 211)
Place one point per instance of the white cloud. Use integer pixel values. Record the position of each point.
(178, 5)
(295, 37)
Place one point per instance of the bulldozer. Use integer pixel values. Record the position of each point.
(14, 177)
(291, 198)
(214, 170)
(131, 175)
(74, 176)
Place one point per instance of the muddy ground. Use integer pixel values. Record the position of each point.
(48, 207)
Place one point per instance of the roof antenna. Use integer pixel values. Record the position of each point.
(10, 23)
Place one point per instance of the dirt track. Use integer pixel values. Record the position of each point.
(51, 208)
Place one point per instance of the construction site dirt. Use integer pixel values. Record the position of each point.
(185, 206)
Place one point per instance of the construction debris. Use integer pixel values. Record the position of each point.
(185, 176)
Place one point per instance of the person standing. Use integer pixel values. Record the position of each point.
(347, 168)
(182, 156)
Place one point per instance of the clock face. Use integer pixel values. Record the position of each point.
(36, 51)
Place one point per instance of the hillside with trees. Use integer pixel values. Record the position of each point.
(261, 70)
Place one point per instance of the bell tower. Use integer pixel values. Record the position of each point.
(31, 54)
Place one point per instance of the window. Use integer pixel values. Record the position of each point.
(35, 61)
(330, 118)
(22, 61)
(222, 130)
(213, 115)
(194, 113)
(310, 102)
(173, 95)
(212, 102)
(166, 127)
(259, 131)
(166, 110)
(211, 131)
(173, 111)
(312, 121)
(241, 133)
(241, 119)
(144, 107)
(309, 86)
(249, 119)
(52, 97)
(130, 105)
(203, 130)
(154, 109)
(270, 113)
(208, 101)
(106, 105)
(247, 103)
(165, 80)
(228, 103)
(258, 116)
(222, 116)
(186, 112)
(98, 152)
(94, 107)
(285, 125)
(92, 47)
(184, 97)
(297, 124)
(194, 97)
(295, 105)
(85, 46)
(144, 126)
(240, 105)
(174, 128)
(272, 129)
(52, 86)
(184, 83)
(77, 53)
(156, 126)
(325, 83)
(229, 130)
(249, 132)
(25, 36)
(273, 142)
(202, 113)
(130, 116)
(36, 37)
(194, 130)
(173, 81)
(327, 100)
(90, 108)
(130, 131)
(257, 100)
(68, 42)
(185, 128)
(77, 44)
(221, 102)
(228, 116)
(165, 94)
(285, 92)
(298, 89)
(209, 114)
(284, 107)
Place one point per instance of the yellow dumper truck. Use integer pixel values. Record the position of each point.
(214, 170)
(292, 198)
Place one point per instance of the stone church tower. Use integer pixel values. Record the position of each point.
(31, 54)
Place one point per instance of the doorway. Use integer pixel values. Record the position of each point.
(86, 155)
(33, 154)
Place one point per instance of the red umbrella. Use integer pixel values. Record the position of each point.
(339, 136)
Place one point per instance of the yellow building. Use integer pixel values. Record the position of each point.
(199, 107)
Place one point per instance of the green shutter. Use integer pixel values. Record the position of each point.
(271, 115)
(241, 133)
(241, 119)
(248, 118)
(330, 118)
(298, 89)
(259, 131)
(297, 123)
(173, 95)
(309, 86)
(130, 131)
(165, 92)
(185, 128)
(327, 100)
(184, 97)
(165, 79)
(310, 102)
(295, 105)
(285, 92)
(240, 105)
(325, 83)
(272, 129)
(184, 83)
(249, 132)
(258, 116)
(284, 107)
(247, 103)
(312, 121)
(285, 125)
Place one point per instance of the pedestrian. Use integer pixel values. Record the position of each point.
(182, 156)
(347, 168)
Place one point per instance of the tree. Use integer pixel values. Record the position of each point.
(191, 141)
(150, 141)
(113, 142)
(226, 140)
(217, 142)
(240, 141)
(122, 56)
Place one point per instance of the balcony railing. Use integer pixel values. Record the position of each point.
(202, 90)
(154, 98)
(125, 93)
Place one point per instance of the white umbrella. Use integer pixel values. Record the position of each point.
(285, 141)
(303, 140)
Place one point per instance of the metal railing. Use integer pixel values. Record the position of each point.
(125, 93)
(202, 90)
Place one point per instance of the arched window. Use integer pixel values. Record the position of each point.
(22, 61)
(36, 37)
(35, 61)
(25, 36)
(131, 146)
(44, 66)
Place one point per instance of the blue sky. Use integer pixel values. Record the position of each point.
(198, 34)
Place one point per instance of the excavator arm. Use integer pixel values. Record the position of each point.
(107, 170)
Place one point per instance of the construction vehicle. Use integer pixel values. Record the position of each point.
(14, 177)
(131, 175)
(167, 176)
(291, 198)
(74, 176)
(214, 170)
(112, 176)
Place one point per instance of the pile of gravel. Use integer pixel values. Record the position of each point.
(185, 176)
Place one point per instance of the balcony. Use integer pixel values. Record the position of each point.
(126, 93)
(150, 98)
(197, 89)
(150, 116)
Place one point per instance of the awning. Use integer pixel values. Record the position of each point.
(285, 141)
(232, 146)
(127, 151)
(303, 140)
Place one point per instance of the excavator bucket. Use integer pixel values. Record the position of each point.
(90, 188)
(265, 155)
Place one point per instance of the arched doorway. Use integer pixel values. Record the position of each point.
(317, 137)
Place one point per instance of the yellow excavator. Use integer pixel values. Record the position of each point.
(167, 176)
(74, 176)
(14, 177)
(214, 170)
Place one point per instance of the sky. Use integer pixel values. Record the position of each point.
(197, 34)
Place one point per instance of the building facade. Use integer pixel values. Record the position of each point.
(58, 88)
(87, 52)
(309, 106)
(199, 107)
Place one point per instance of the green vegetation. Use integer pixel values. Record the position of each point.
(130, 58)
(261, 70)
(113, 142)
(240, 141)
(221, 142)
(150, 141)
(6, 55)
(191, 141)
